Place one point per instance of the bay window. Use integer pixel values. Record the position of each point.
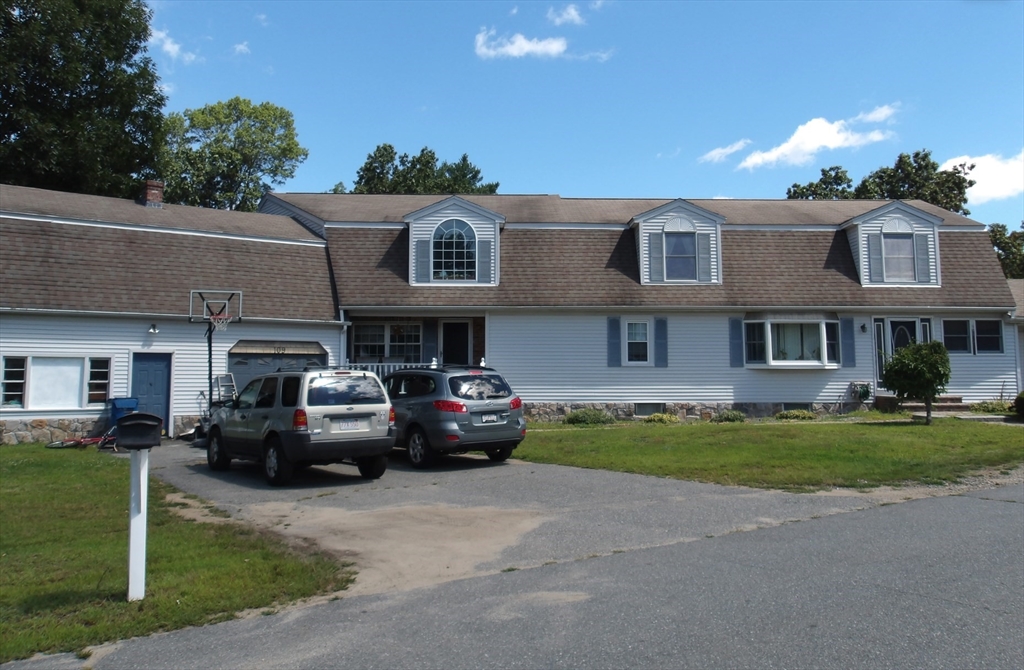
(791, 343)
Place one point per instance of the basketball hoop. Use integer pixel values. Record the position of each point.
(220, 321)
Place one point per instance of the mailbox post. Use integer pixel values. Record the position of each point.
(138, 432)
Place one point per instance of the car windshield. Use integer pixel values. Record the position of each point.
(345, 391)
(479, 387)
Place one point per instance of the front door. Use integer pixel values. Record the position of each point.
(455, 343)
(151, 384)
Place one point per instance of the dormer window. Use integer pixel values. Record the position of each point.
(898, 257)
(681, 256)
(453, 255)
(901, 250)
(679, 243)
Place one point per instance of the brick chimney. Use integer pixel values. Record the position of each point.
(153, 196)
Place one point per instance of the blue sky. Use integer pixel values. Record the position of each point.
(622, 99)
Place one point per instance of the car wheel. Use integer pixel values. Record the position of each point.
(421, 454)
(499, 455)
(216, 457)
(276, 467)
(372, 467)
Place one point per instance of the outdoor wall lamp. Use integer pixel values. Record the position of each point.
(153, 330)
(863, 327)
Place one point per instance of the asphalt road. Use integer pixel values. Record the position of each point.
(632, 571)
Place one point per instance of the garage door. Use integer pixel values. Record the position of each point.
(249, 358)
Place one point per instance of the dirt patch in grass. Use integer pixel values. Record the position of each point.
(405, 547)
(188, 507)
(914, 491)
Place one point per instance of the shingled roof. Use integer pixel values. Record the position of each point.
(150, 258)
(363, 208)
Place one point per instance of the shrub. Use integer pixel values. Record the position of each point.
(729, 416)
(796, 415)
(588, 416)
(661, 418)
(992, 407)
(918, 370)
(1019, 404)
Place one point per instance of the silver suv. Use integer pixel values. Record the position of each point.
(288, 420)
(455, 409)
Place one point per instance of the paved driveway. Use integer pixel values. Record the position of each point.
(521, 565)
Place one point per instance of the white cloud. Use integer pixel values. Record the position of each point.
(998, 178)
(162, 39)
(571, 14)
(674, 154)
(720, 154)
(515, 10)
(241, 49)
(262, 19)
(877, 115)
(517, 46)
(597, 5)
(810, 138)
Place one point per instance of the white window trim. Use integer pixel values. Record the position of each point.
(83, 390)
(972, 338)
(771, 363)
(664, 257)
(476, 256)
(387, 334)
(625, 342)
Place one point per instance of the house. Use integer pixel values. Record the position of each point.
(96, 296)
(1017, 289)
(635, 305)
(687, 306)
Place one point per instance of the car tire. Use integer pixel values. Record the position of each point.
(216, 457)
(276, 466)
(421, 454)
(372, 467)
(499, 455)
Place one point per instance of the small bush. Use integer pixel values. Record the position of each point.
(992, 407)
(661, 418)
(1019, 404)
(796, 415)
(729, 416)
(588, 416)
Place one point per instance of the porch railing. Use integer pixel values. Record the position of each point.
(383, 369)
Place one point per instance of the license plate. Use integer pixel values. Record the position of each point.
(489, 418)
(346, 424)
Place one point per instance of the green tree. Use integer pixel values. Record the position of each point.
(919, 371)
(80, 104)
(834, 184)
(1009, 248)
(228, 155)
(387, 172)
(912, 177)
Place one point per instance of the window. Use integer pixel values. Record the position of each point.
(973, 337)
(290, 391)
(14, 382)
(54, 382)
(898, 250)
(265, 398)
(681, 256)
(454, 252)
(636, 342)
(648, 408)
(382, 343)
(791, 343)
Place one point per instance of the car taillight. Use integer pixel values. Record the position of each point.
(391, 417)
(450, 406)
(299, 420)
(516, 403)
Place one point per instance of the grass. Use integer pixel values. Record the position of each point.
(64, 558)
(790, 456)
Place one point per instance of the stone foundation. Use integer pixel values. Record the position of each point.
(554, 412)
(18, 431)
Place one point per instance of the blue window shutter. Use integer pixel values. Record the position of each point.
(924, 270)
(483, 262)
(656, 257)
(847, 345)
(614, 342)
(422, 261)
(429, 340)
(875, 273)
(661, 343)
(736, 343)
(704, 257)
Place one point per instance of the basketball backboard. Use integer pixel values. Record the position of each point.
(217, 303)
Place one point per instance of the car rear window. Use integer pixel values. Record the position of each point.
(479, 387)
(345, 391)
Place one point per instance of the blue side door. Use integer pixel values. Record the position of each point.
(151, 384)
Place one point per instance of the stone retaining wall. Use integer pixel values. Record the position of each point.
(553, 412)
(18, 431)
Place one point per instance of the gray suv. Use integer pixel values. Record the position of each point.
(455, 409)
(288, 420)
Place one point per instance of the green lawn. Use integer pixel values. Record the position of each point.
(64, 558)
(791, 456)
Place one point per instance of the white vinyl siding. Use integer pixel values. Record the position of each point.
(655, 243)
(898, 249)
(487, 251)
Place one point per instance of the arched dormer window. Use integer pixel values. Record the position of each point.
(898, 250)
(453, 256)
(681, 257)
